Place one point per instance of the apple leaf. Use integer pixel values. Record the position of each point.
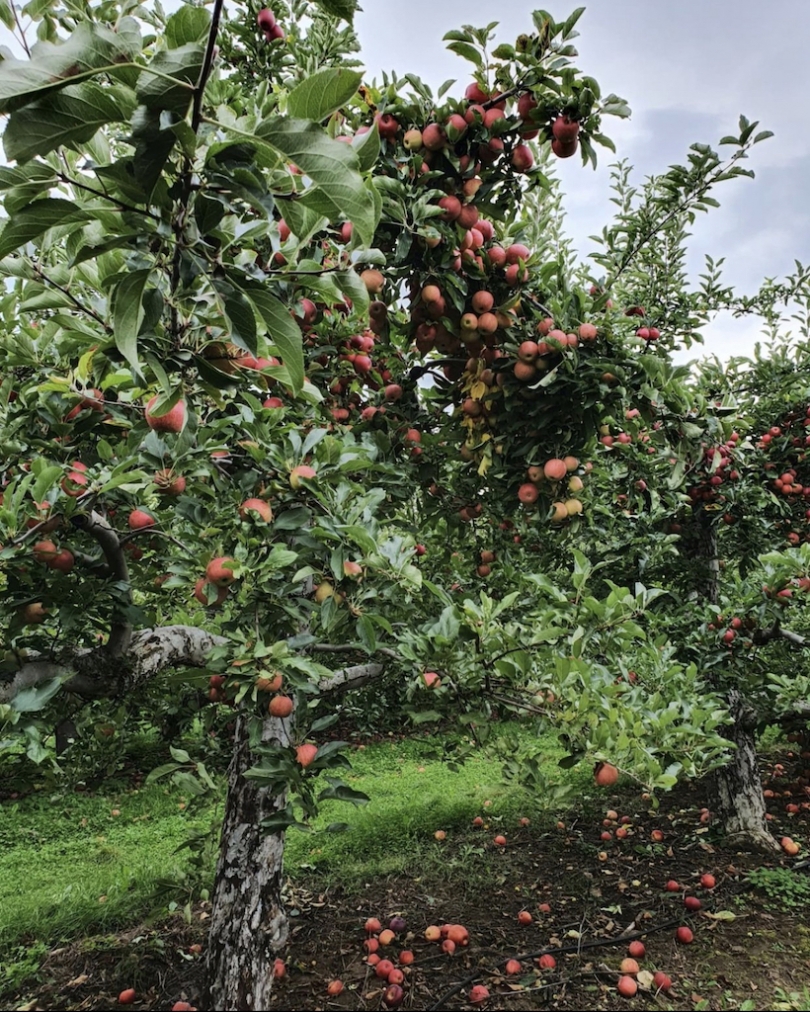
(36, 696)
(89, 49)
(189, 24)
(183, 65)
(36, 218)
(320, 95)
(71, 116)
(243, 322)
(128, 312)
(282, 331)
(340, 191)
(339, 8)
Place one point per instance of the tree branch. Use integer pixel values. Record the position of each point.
(351, 648)
(350, 678)
(98, 527)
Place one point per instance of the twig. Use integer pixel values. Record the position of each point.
(76, 302)
(105, 196)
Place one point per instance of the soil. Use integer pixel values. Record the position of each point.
(749, 949)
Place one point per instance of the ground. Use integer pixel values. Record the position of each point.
(751, 946)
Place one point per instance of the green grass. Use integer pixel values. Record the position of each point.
(69, 868)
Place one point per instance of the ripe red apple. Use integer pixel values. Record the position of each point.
(431, 680)
(513, 966)
(183, 1006)
(684, 935)
(526, 103)
(74, 483)
(302, 473)
(708, 881)
(500, 841)
(259, 507)
(219, 571)
(636, 949)
(547, 962)
(565, 130)
(524, 917)
(478, 994)
(605, 774)
(45, 551)
(672, 886)
(474, 93)
(127, 997)
(138, 520)
(433, 137)
(63, 561)
(201, 593)
(393, 996)
(627, 987)
(372, 925)
(334, 988)
(562, 150)
(387, 125)
(305, 754)
(406, 957)
(629, 966)
(419, 550)
(662, 981)
(451, 208)
(692, 903)
(172, 421)
(522, 158)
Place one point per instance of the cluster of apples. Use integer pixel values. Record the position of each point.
(268, 26)
(549, 477)
(379, 938)
(717, 469)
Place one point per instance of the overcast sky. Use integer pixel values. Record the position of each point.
(688, 69)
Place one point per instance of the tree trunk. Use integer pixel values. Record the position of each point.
(248, 923)
(738, 801)
(739, 804)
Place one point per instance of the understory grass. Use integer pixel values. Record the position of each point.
(69, 867)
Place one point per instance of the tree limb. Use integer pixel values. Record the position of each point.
(98, 527)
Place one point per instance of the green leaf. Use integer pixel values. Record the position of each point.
(342, 792)
(179, 755)
(318, 96)
(243, 322)
(282, 331)
(90, 47)
(339, 8)
(468, 52)
(331, 165)
(160, 771)
(71, 116)
(35, 697)
(184, 65)
(189, 24)
(36, 218)
(367, 148)
(6, 13)
(127, 305)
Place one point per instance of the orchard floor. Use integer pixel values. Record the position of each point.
(751, 946)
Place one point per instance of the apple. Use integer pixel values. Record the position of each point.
(374, 281)
(478, 994)
(564, 150)
(139, 520)
(406, 957)
(434, 137)
(393, 996)
(662, 981)
(692, 903)
(522, 158)
(672, 886)
(431, 680)
(279, 969)
(440, 835)
(63, 561)
(33, 614)
(303, 472)
(305, 754)
(708, 881)
(259, 507)
(524, 917)
(684, 935)
(219, 571)
(172, 421)
(280, 706)
(266, 20)
(372, 925)
(127, 997)
(565, 130)
(412, 140)
(637, 950)
(629, 966)
(627, 987)
(547, 962)
(74, 483)
(387, 125)
(500, 841)
(605, 774)
(334, 988)
(45, 551)
(169, 483)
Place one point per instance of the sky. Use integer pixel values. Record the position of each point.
(688, 69)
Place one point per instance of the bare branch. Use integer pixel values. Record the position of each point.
(99, 528)
(351, 678)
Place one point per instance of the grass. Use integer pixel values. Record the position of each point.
(70, 868)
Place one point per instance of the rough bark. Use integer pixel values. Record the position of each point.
(738, 802)
(248, 924)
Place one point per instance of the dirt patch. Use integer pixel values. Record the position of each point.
(587, 898)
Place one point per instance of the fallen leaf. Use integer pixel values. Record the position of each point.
(78, 981)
